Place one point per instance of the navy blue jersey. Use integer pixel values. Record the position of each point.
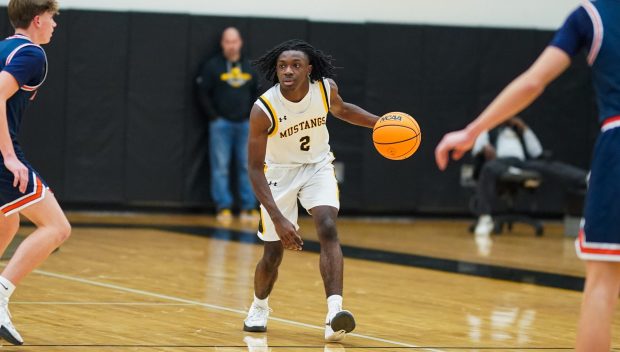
(27, 63)
(595, 26)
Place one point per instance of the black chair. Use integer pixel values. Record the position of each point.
(510, 186)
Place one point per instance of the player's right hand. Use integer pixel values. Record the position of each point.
(455, 143)
(20, 173)
(288, 235)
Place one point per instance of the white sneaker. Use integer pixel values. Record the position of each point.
(256, 320)
(484, 226)
(7, 330)
(338, 326)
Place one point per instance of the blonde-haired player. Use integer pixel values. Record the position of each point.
(23, 68)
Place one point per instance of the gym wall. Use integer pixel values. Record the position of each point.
(116, 123)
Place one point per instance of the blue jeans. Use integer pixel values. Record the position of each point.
(225, 139)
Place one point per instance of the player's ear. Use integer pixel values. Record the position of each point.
(309, 69)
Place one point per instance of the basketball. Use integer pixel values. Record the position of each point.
(396, 135)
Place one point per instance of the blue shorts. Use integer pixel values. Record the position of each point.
(11, 199)
(599, 238)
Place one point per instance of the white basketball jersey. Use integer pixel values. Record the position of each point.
(298, 132)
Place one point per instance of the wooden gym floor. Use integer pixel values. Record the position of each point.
(131, 282)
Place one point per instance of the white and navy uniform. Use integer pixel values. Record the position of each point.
(595, 26)
(27, 63)
(298, 159)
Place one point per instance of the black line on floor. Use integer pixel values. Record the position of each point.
(538, 278)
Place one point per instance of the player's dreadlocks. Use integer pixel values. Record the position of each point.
(321, 63)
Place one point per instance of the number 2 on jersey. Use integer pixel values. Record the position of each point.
(305, 143)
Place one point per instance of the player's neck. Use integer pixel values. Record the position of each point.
(27, 33)
(296, 95)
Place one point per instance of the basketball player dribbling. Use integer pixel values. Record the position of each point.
(290, 159)
(23, 68)
(595, 26)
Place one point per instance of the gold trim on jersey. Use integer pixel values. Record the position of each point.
(261, 223)
(274, 117)
(324, 95)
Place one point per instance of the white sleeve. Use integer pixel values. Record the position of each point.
(532, 144)
(481, 142)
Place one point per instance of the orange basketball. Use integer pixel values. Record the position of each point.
(396, 135)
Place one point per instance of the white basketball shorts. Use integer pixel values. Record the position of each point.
(313, 184)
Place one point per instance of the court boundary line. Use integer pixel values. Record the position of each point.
(76, 303)
(215, 307)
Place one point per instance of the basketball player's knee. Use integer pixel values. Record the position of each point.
(272, 259)
(327, 230)
(62, 231)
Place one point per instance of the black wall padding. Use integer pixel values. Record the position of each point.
(5, 24)
(392, 84)
(447, 88)
(347, 140)
(98, 49)
(156, 107)
(117, 121)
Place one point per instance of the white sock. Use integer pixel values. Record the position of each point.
(6, 287)
(334, 304)
(263, 303)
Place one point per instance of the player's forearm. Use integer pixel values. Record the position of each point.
(355, 115)
(513, 99)
(263, 193)
(6, 144)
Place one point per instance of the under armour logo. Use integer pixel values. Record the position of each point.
(282, 119)
(275, 184)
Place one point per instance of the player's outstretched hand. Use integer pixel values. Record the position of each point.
(288, 235)
(457, 142)
(20, 173)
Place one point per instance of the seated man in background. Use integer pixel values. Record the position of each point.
(514, 144)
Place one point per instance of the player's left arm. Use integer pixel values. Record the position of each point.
(348, 112)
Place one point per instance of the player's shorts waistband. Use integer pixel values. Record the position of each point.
(610, 123)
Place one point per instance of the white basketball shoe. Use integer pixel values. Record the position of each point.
(338, 326)
(7, 330)
(256, 320)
